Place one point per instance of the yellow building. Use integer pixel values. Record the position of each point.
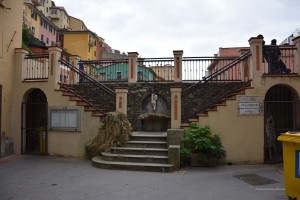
(10, 38)
(32, 19)
(76, 24)
(83, 44)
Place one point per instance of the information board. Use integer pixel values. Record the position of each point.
(250, 105)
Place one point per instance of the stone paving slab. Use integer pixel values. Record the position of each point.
(27, 177)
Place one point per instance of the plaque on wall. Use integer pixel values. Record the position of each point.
(250, 105)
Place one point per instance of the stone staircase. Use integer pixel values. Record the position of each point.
(221, 103)
(145, 151)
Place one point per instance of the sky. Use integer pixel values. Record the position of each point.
(154, 28)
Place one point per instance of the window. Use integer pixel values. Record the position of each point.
(64, 118)
(32, 30)
(140, 75)
(54, 12)
(41, 22)
(42, 37)
(94, 53)
(119, 75)
(52, 43)
(47, 40)
(102, 76)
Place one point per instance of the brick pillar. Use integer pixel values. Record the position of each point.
(132, 67)
(20, 64)
(178, 65)
(175, 107)
(121, 99)
(256, 67)
(54, 66)
(296, 41)
(244, 66)
(74, 77)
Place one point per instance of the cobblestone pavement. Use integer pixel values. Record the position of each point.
(28, 177)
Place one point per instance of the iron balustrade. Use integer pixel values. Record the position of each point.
(36, 67)
(284, 61)
(198, 68)
(106, 70)
(155, 69)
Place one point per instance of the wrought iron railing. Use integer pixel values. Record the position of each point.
(197, 68)
(279, 60)
(107, 70)
(155, 70)
(96, 93)
(222, 71)
(77, 75)
(36, 67)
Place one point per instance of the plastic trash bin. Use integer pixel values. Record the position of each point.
(291, 163)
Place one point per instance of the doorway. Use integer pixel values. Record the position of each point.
(281, 113)
(34, 123)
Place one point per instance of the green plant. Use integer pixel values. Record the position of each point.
(201, 141)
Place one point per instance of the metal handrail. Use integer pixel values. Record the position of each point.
(106, 89)
(80, 97)
(220, 71)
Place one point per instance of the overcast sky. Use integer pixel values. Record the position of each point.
(154, 28)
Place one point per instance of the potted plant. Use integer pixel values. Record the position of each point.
(201, 146)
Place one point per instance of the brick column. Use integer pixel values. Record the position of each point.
(74, 77)
(121, 99)
(296, 41)
(20, 64)
(256, 61)
(244, 66)
(175, 107)
(132, 67)
(178, 65)
(54, 66)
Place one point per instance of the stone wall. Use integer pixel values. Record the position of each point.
(194, 101)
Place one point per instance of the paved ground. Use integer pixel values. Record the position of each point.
(25, 177)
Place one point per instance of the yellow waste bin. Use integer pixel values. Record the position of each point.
(291, 163)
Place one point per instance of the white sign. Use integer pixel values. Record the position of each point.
(250, 105)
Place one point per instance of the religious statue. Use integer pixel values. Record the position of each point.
(153, 101)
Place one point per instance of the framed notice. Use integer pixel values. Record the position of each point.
(64, 118)
(297, 164)
(250, 105)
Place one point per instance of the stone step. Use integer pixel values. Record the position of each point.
(139, 151)
(134, 158)
(144, 136)
(136, 166)
(146, 144)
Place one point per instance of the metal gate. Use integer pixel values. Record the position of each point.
(281, 113)
(34, 124)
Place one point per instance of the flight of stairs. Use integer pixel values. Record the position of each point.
(145, 151)
(214, 108)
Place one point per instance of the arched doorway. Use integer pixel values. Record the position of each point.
(34, 122)
(281, 113)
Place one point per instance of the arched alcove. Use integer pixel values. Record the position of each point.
(34, 122)
(281, 114)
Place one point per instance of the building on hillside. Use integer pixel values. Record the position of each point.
(76, 24)
(11, 38)
(59, 16)
(40, 25)
(119, 72)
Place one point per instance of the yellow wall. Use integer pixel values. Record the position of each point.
(10, 38)
(77, 44)
(32, 22)
(59, 142)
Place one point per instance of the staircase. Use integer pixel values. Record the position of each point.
(221, 103)
(145, 151)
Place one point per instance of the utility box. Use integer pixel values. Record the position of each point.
(291, 163)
